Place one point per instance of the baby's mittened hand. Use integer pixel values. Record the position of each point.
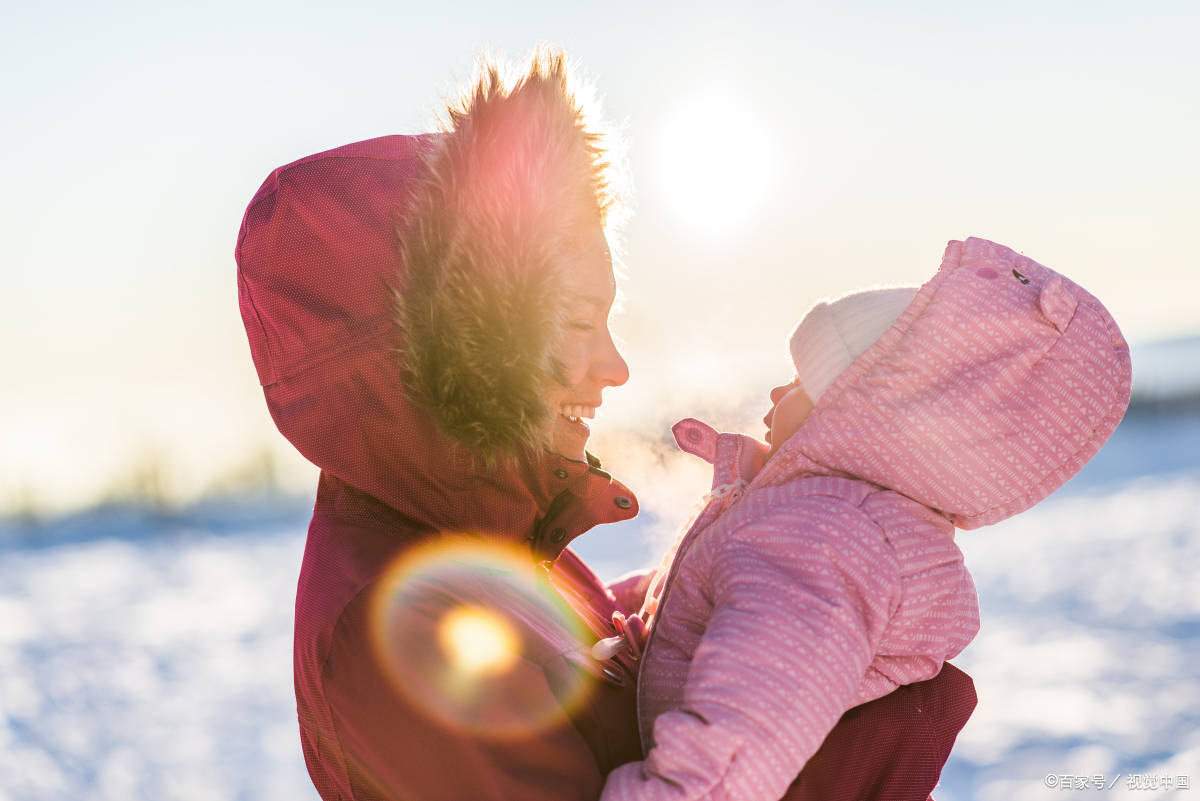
(634, 631)
(631, 634)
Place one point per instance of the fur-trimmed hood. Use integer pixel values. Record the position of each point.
(507, 195)
(319, 269)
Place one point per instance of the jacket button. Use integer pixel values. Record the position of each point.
(622, 502)
(560, 473)
(558, 535)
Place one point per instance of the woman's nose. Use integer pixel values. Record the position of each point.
(778, 392)
(610, 367)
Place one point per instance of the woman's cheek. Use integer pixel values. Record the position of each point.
(573, 357)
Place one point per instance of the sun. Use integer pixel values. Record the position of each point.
(715, 162)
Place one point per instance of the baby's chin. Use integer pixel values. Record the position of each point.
(772, 447)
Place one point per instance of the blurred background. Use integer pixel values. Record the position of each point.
(152, 520)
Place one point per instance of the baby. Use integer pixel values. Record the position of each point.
(822, 573)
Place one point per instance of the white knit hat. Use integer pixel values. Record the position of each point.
(836, 332)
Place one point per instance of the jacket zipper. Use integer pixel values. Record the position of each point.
(578, 605)
(684, 545)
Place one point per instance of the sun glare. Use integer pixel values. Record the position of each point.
(715, 161)
(449, 626)
(477, 641)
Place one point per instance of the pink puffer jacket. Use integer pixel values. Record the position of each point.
(829, 576)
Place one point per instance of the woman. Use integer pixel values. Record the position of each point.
(440, 385)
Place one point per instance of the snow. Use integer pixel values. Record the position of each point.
(156, 668)
(1088, 661)
(148, 656)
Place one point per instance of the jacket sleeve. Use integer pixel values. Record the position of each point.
(893, 747)
(630, 589)
(407, 726)
(800, 599)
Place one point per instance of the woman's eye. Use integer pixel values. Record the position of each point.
(581, 325)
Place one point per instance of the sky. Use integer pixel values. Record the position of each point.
(777, 153)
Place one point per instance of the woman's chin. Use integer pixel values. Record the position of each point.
(570, 438)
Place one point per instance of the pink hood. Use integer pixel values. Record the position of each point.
(995, 386)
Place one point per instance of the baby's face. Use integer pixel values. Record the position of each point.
(790, 406)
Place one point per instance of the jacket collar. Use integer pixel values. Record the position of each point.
(590, 496)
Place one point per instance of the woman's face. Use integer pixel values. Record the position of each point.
(589, 357)
(790, 407)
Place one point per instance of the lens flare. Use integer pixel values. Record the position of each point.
(478, 642)
(473, 635)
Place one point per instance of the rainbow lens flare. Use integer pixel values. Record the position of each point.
(473, 635)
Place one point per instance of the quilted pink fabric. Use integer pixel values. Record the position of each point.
(829, 576)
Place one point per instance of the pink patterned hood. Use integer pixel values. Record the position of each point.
(995, 386)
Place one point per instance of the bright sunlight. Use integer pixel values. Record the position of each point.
(716, 162)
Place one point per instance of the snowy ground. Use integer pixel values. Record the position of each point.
(146, 657)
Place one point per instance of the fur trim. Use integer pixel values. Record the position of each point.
(507, 190)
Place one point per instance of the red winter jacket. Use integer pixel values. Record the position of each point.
(380, 716)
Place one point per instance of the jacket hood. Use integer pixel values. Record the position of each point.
(995, 386)
(317, 266)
